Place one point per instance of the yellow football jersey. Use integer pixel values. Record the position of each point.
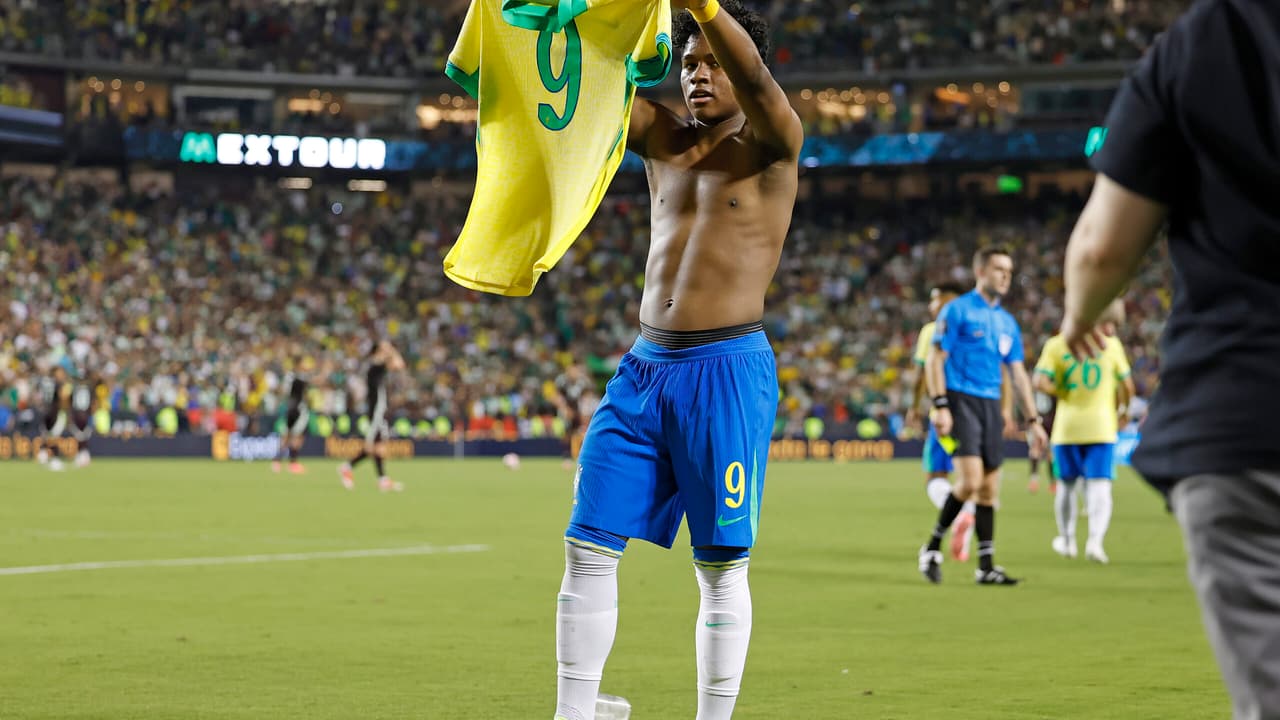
(555, 83)
(1086, 391)
(922, 343)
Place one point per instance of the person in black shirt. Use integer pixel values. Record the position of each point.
(52, 395)
(382, 359)
(82, 407)
(296, 418)
(1193, 139)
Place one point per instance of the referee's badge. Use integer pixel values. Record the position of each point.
(1006, 344)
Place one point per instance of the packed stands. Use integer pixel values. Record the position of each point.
(398, 38)
(205, 299)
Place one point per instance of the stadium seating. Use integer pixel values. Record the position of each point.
(204, 300)
(409, 39)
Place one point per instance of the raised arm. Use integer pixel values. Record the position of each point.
(644, 115)
(773, 121)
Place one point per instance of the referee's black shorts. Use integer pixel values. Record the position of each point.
(978, 428)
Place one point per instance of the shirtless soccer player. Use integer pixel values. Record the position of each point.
(684, 426)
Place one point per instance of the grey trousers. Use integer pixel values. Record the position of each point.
(1231, 527)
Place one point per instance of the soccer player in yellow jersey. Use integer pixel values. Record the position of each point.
(937, 451)
(1091, 397)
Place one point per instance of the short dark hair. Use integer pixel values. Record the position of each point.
(685, 27)
(949, 288)
(985, 254)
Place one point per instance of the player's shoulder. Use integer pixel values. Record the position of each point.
(928, 328)
(1054, 344)
(1215, 27)
(1220, 17)
(959, 304)
(1115, 346)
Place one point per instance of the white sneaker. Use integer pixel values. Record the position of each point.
(1066, 547)
(55, 464)
(1094, 552)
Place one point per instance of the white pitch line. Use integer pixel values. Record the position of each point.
(245, 559)
(143, 535)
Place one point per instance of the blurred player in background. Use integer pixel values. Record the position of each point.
(977, 343)
(296, 418)
(83, 404)
(1045, 406)
(937, 451)
(683, 429)
(1091, 395)
(383, 358)
(53, 397)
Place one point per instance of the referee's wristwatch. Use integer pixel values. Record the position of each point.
(940, 402)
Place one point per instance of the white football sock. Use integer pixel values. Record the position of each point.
(586, 622)
(1064, 506)
(938, 490)
(1098, 505)
(722, 635)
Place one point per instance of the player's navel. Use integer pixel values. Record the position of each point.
(733, 202)
(671, 302)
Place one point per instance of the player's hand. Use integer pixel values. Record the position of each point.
(1084, 342)
(1037, 439)
(1031, 451)
(912, 419)
(942, 422)
(688, 4)
(1010, 426)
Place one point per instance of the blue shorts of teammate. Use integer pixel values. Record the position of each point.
(936, 458)
(679, 432)
(1090, 462)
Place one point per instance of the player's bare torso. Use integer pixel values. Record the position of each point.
(721, 207)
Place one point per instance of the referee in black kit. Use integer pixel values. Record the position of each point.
(1194, 138)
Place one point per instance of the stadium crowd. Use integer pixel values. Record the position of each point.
(411, 39)
(204, 301)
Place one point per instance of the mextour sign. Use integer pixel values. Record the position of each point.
(284, 151)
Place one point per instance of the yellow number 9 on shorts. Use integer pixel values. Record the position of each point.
(735, 482)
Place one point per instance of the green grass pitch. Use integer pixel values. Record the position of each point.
(844, 625)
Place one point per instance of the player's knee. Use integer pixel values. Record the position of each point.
(592, 551)
(985, 495)
(721, 571)
(1097, 491)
